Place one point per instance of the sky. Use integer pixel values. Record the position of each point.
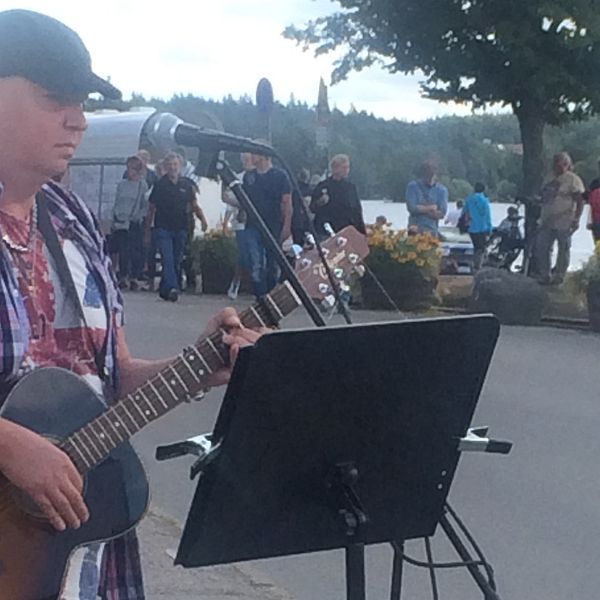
(216, 48)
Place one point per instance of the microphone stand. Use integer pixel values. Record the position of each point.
(228, 176)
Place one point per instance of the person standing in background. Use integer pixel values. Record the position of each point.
(129, 213)
(335, 200)
(426, 200)
(270, 190)
(172, 200)
(562, 205)
(479, 216)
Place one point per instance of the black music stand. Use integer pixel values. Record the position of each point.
(337, 438)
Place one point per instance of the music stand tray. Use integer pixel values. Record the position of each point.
(332, 437)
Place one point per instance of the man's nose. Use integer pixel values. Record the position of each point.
(74, 118)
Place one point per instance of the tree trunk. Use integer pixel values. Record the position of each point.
(531, 124)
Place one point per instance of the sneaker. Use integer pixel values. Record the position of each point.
(173, 295)
(234, 289)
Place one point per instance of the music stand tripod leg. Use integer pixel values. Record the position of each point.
(397, 567)
(488, 592)
(355, 572)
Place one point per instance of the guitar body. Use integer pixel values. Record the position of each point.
(54, 403)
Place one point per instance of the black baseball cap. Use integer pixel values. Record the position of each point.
(47, 52)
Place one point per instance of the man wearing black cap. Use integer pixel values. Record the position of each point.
(45, 75)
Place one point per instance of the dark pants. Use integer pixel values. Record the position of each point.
(151, 254)
(479, 242)
(262, 265)
(129, 245)
(170, 245)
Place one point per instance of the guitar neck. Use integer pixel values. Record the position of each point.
(180, 381)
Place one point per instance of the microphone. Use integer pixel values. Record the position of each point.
(164, 130)
(211, 140)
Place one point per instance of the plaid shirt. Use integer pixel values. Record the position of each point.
(121, 577)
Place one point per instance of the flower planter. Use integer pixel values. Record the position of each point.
(409, 289)
(406, 266)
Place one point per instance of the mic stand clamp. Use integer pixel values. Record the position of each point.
(345, 500)
(201, 446)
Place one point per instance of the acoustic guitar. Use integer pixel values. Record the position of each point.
(62, 407)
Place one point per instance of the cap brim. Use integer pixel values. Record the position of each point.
(108, 90)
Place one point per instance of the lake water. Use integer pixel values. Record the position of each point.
(395, 212)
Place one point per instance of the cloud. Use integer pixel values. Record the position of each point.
(216, 49)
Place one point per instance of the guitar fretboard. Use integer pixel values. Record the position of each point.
(180, 381)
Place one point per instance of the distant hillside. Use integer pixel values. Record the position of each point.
(385, 153)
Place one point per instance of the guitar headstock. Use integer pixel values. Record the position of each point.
(344, 252)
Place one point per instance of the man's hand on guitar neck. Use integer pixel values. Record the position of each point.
(45, 473)
(235, 335)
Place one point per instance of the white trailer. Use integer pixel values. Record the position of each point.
(111, 137)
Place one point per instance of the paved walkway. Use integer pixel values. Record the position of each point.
(159, 537)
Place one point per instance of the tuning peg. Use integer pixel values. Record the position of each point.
(309, 239)
(305, 263)
(341, 241)
(325, 252)
(344, 287)
(323, 288)
(328, 229)
(339, 273)
(296, 251)
(353, 258)
(360, 270)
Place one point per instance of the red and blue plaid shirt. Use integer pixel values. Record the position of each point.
(121, 577)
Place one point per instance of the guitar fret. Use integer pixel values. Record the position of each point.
(82, 446)
(88, 440)
(105, 432)
(120, 418)
(274, 305)
(158, 395)
(99, 437)
(199, 354)
(148, 403)
(126, 411)
(181, 381)
(75, 445)
(114, 425)
(134, 403)
(214, 349)
(190, 369)
(175, 397)
(258, 317)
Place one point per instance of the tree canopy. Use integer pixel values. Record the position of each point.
(540, 57)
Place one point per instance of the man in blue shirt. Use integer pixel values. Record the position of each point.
(479, 215)
(426, 200)
(271, 192)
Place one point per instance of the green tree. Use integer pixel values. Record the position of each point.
(540, 57)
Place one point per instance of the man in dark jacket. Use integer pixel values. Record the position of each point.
(335, 200)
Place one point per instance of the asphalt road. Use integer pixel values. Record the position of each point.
(535, 512)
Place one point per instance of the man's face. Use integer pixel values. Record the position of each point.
(172, 167)
(340, 170)
(560, 166)
(247, 161)
(39, 130)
